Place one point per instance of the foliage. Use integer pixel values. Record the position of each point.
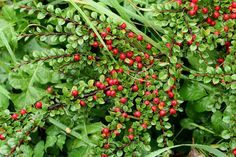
(117, 78)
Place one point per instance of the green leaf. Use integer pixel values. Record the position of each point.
(39, 149)
(225, 134)
(163, 75)
(192, 91)
(61, 140)
(187, 123)
(4, 102)
(204, 104)
(94, 127)
(233, 86)
(50, 141)
(80, 152)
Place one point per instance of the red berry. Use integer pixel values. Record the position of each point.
(107, 146)
(131, 34)
(174, 102)
(190, 42)
(192, 12)
(234, 150)
(233, 4)
(226, 17)
(140, 66)
(148, 93)
(74, 93)
(209, 20)
(131, 136)
(137, 114)
(220, 60)
(155, 92)
(123, 100)
(138, 59)
(113, 93)
(50, 89)
(76, 57)
(156, 101)
(179, 2)
(213, 23)
(104, 155)
(140, 37)
(120, 87)
(146, 55)
(94, 97)
(124, 115)
(162, 113)
(123, 26)
(194, 36)
(135, 88)
(14, 116)
(23, 111)
(131, 62)
(130, 130)
(109, 42)
(105, 130)
(204, 10)
(226, 28)
(82, 103)
(227, 43)
(178, 65)
(194, 1)
(129, 54)
(216, 15)
(146, 102)
(144, 126)
(233, 16)
(95, 44)
(172, 111)
(98, 84)
(168, 45)
(148, 46)
(116, 109)
(122, 56)
(2, 137)
(115, 51)
(171, 94)
(38, 105)
(108, 29)
(154, 108)
(217, 8)
(109, 47)
(104, 34)
(116, 132)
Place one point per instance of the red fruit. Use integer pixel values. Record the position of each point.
(146, 102)
(192, 4)
(94, 35)
(146, 55)
(227, 43)
(76, 57)
(172, 111)
(174, 102)
(124, 115)
(144, 126)
(171, 94)
(162, 104)
(112, 72)
(226, 28)
(154, 76)
(137, 114)
(23, 111)
(109, 42)
(220, 60)
(50, 89)
(154, 108)
(108, 93)
(162, 113)
(95, 44)
(230, 8)
(139, 37)
(74, 93)
(216, 15)
(123, 26)
(148, 46)
(233, 4)
(122, 56)
(156, 101)
(115, 51)
(98, 84)
(113, 93)
(194, 1)
(140, 65)
(102, 87)
(105, 130)
(148, 93)
(138, 59)
(94, 97)
(155, 92)
(120, 87)
(129, 54)
(179, 2)
(109, 47)
(234, 150)
(107, 146)
(204, 10)
(194, 36)
(130, 130)
(190, 42)
(39, 104)
(116, 132)
(209, 20)
(213, 23)
(131, 62)
(82, 103)
(14, 116)
(233, 16)
(131, 34)
(108, 29)
(168, 45)
(216, 33)
(195, 8)
(104, 155)
(226, 17)
(2, 137)
(111, 82)
(131, 136)
(116, 109)
(217, 8)
(135, 88)
(178, 65)
(90, 57)
(104, 34)
(192, 12)
(123, 100)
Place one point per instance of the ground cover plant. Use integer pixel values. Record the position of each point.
(118, 78)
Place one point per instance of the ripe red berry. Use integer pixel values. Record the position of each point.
(226, 17)
(2, 137)
(95, 44)
(217, 8)
(226, 28)
(14, 116)
(108, 29)
(117, 132)
(168, 45)
(109, 47)
(190, 42)
(172, 111)
(123, 100)
(131, 34)
(123, 26)
(50, 89)
(155, 92)
(144, 126)
(82, 103)
(234, 150)
(98, 84)
(38, 105)
(194, 1)
(171, 94)
(23, 111)
(131, 62)
(139, 37)
(131, 136)
(130, 130)
(129, 54)
(146, 55)
(107, 146)
(135, 88)
(74, 93)
(124, 115)
(137, 114)
(94, 97)
(233, 4)
(105, 130)
(116, 109)
(179, 2)
(76, 57)
(174, 102)
(192, 12)
(104, 155)
(209, 20)
(146, 102)
(227, 43)
(162, 113)
(113, 93)
(120, 87)
(148, 46)
(103, 34)
(109, 42)
(220, 60)
(213, 23)
(204, 10)
(140, 66)
(138, 59)
(194, 36)
(154, 108)
(115, 51)
(156, 101)
(233, 16)
(122, 56)
(178, 65)
(216, 14)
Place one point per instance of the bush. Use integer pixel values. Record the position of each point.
(109, 78)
